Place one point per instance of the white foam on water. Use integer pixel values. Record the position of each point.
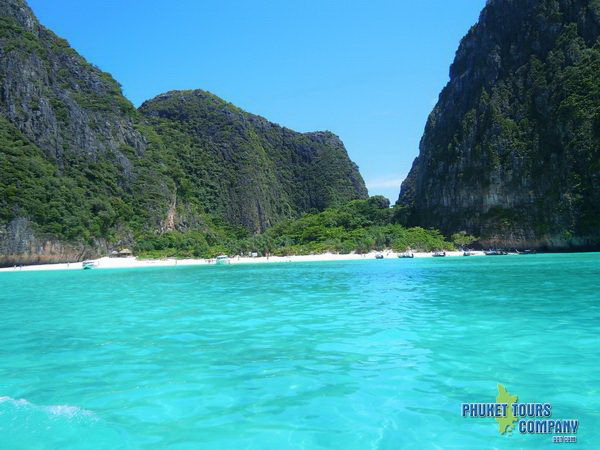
(21, 402)
(67, 411)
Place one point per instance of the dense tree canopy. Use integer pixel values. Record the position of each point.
(358, 226)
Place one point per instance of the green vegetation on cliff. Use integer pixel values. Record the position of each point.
(82, 168)
(76, 205)
(359, 226)
(246, 169)
(512, 150)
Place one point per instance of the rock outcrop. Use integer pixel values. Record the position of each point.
(511, 151)
(81, 170)
(247, 169)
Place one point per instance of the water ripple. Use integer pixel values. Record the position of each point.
(365, 354)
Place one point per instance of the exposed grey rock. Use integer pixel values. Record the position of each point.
(510, 152)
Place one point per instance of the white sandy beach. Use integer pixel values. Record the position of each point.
(133, 262)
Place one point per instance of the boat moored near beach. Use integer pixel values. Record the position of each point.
(379, 255)
(406, 255)
(439, 254)
(88, 265)
(222, 259)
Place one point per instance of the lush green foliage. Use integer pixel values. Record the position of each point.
(246, 169)
(82, 165)
(70, 207)
(359, 226)
(462, 239)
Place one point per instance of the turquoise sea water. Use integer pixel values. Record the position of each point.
(349, 355)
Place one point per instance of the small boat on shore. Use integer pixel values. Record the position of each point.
(406, 255)
(495, 252)
(527, 252)
(439, 254)
(379, 255)
(467, 253)
(222, 259)
(88, 265)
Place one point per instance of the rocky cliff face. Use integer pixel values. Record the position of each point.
(82, 170)
(74, 159)
(247, 169)
(20, 244)
(55, 98)
(511, 152)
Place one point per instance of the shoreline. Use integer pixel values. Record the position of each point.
(135, 263)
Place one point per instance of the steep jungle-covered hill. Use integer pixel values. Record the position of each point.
(511, 152)
(82, 171)
(249, 170)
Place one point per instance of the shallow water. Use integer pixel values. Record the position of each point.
(362, 354)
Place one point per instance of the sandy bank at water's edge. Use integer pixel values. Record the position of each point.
(133, 262)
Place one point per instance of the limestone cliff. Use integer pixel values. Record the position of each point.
(83, 171)
(247, 169)
(511, 151)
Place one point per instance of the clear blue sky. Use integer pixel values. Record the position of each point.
(370, 71)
